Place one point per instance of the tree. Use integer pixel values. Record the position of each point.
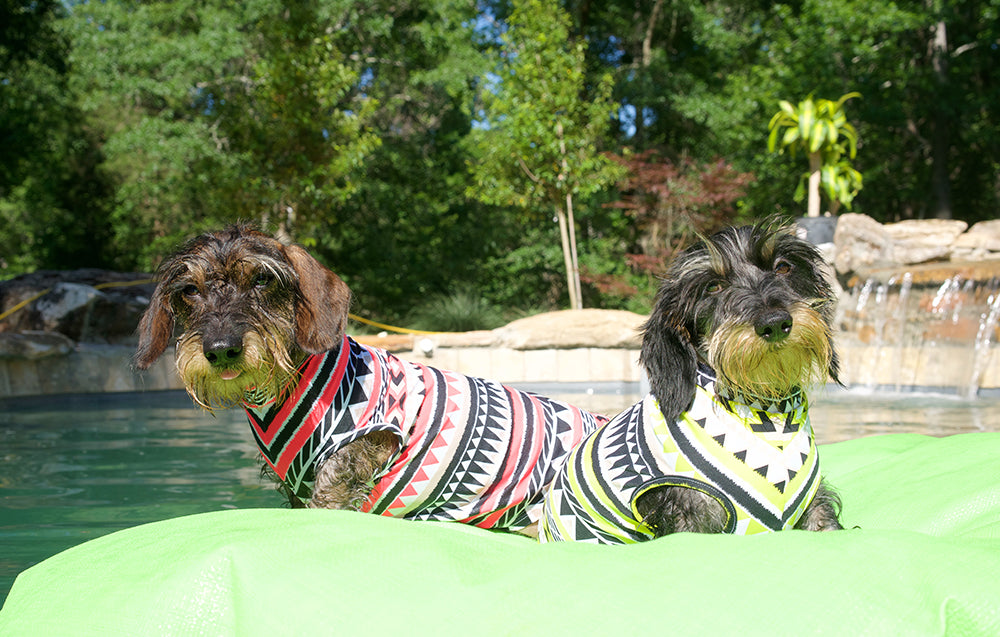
(820, 129)
(407, 233)
(300, 119)
(53, 193)
(667, 204)
(140, 71)
(214, 111)
(670, 202)
(538, 142)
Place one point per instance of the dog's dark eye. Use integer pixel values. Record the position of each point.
(190, 290)
(782, 267)
(714, 288)
(262, 280)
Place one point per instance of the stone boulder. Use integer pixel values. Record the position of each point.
(569, 329)
(860, 242)
(980, 243)
(924, 240)
(34, 345)
(93, 306)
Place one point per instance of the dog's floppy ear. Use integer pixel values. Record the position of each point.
(668, 355)
(322, 305)
(155, 329)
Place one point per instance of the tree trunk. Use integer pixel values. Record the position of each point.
(572, 248)
(815, 162)
(567, 257)
(643, 58)
(567, 229)
(941, 137)
(647, 39)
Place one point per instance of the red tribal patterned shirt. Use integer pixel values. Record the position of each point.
(470, 450)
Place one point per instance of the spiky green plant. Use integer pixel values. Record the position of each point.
(820, 128)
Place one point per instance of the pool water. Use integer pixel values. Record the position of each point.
(76, 468)
(73, 468)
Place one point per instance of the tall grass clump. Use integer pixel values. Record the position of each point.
(462, 310)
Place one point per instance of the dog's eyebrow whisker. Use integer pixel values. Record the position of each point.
(274, 267)
(819, 303)
(716, 259)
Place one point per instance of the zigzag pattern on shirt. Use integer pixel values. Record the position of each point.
(293, 451)
(586, 502)
(471, 450)
(762, 463)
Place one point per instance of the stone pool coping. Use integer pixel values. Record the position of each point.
(585, 348)
(570, 346)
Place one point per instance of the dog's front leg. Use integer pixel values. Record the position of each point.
(667, 510)
(823, 513)
(346, 478)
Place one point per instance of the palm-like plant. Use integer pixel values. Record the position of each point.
(819, 127)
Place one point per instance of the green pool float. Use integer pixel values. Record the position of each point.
(923, 560)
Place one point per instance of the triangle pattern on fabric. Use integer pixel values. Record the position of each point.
(752, 451)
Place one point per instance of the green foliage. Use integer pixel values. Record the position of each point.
(820, 128)
(428, 145)
(841, 182)
(215, 112)
(303, 127)
(53, 193)
(815, 126)
(538, 144)
(542, 120)
(138, 71)
(462, 310)
(408, 231)
(527, 274)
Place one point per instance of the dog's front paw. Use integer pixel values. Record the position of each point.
(347, 477)
(680, 509)
(823, 513)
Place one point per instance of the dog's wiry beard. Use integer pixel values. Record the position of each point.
(266, 371)
(748, 364)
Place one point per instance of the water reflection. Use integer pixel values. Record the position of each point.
(839, 414)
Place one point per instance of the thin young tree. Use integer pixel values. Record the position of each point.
(542, 125)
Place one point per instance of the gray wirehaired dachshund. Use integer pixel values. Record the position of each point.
(740, 327)
(342, 425)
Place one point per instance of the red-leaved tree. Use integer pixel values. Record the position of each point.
(669, 203)
(672, 201)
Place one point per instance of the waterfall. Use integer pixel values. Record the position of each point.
(984, 339)
(921, 329)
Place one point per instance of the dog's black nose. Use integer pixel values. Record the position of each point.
(775, 326)
(223, 353)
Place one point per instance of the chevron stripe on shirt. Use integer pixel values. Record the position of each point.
(471, 450)
(759, 460)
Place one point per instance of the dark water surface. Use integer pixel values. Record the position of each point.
(73, 468)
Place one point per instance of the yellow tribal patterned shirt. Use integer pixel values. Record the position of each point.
(758, 460)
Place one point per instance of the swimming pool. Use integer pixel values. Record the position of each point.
(73, 468)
